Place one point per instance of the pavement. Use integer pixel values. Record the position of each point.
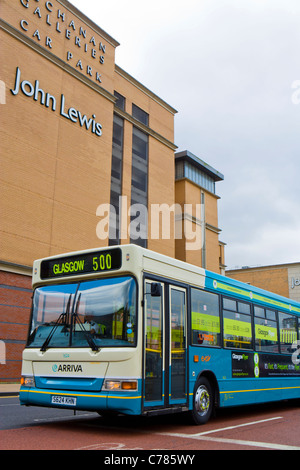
(9, 390)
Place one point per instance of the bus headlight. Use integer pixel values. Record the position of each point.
(27, 381)
(119, 384)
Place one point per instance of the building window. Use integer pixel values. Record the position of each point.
(120, 103)
(139, 189)
(140, 115)
(179, 170)
(189, 171)
(116, 180)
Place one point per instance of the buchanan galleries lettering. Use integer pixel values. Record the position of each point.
(49, 101)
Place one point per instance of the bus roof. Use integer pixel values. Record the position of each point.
(160, 265)
(248, 292)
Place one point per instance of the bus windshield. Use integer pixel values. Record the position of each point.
(101, 312)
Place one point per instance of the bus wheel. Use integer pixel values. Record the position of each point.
(203, 401)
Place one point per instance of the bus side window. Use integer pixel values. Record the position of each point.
(205, 318)
(237, 326)
(265, 324)
(288, 332)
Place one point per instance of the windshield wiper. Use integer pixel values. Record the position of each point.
(87, 334)
(62, 319)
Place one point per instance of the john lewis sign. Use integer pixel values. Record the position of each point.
(33, 90)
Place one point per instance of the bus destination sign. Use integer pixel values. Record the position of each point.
(88, 263)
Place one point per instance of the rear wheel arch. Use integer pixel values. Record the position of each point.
(210, 376)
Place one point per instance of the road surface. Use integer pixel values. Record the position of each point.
(265, 427)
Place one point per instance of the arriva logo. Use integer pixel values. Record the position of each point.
(67, 368)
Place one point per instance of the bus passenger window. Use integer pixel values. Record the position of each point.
(205, 318)
(237, 326)
(266, 337)
(288, 332)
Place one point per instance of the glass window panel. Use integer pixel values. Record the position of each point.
(118, 132)
(120, 103)
(49, 303)
(199, 177)
(205, 318)
(229, 304)
(139, 189)
(154, 346)
(243, 307)
(116, 180)
(140, 144)
(288, 332)
(106, 311)
(179, 170)
(271, 315)
(259, 312)
(139, 179)
(140, 115)
(266, 336)
(178, 343)
(237, 330)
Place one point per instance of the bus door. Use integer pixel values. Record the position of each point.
(165, 381)
(154, 367)
(177, 346)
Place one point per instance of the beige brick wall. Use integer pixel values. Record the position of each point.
(273, 279)
(187, 192)
(55, 172)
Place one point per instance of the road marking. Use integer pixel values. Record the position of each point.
(224, 429)
(109, 446)
(238, 426)
(59, 418)
(11, 404)
(202, 436)
(264, 445)
(8, 396)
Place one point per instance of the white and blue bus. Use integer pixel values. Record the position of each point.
(126, 330)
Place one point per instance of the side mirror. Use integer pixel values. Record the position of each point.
(155, 289)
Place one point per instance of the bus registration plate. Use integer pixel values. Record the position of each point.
(60, 400)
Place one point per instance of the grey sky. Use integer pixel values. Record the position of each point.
(229, 68)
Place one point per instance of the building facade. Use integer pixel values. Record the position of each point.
(282, 279)
(87, 156)
(195, 191)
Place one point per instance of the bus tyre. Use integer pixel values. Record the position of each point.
(203, 401)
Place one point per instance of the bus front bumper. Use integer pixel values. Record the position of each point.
(126, 403)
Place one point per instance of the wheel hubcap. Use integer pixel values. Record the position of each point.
(202, 400)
